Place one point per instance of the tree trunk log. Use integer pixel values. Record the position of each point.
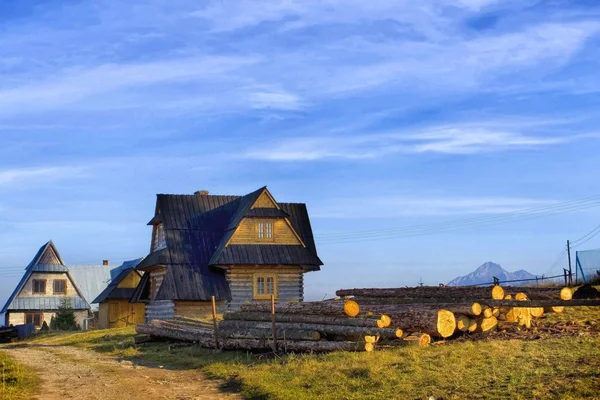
(267, 333)
(367, 322)
(471, 309)
(541, 293)
(252, 344)
(336, 308)
(425, 292)
(421, 339)
(330, 330)
(465, 324)
(487, 325)
(433, 322)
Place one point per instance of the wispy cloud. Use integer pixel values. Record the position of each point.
(451, 139)
(407, 206)
(22, 176)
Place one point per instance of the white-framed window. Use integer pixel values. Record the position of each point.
(265, 285)
(160, 240)
(264, 230)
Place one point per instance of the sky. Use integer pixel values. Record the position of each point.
(377, 114)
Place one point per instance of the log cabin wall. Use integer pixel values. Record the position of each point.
(197, 309)
(290, 283)
(247, 233)
(160, 309)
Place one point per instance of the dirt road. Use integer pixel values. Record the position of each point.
(71, 373)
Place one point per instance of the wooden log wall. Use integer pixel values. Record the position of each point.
(290, 284)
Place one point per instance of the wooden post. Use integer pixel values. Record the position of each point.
(570, 271)
(273, 323)
(566, 272)
(216, 327)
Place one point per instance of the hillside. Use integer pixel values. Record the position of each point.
(486, 273)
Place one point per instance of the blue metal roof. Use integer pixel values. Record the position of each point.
(42, 303)
(49, 268)
(588, 262)
(91, 280)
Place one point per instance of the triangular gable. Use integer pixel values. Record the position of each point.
(125, 276)
(259, 199)
(46, 253)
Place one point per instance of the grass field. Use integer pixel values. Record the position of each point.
(565, 368)
(16, 382)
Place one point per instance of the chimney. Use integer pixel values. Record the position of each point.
(104, 262)
(201, 193)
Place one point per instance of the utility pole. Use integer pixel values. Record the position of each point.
(570, 271)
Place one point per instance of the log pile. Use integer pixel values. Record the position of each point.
(363, 319)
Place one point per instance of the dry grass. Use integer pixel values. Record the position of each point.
(565, 368)
(16, 381)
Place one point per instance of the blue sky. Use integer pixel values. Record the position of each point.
(377, 114)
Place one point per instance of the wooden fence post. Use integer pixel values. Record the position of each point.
(214, 315)
(273, 327)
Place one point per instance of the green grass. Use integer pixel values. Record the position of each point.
(565, 368)
(16, 381)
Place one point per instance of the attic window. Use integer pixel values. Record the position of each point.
(160, 241)
(265, 230)
(39, 286)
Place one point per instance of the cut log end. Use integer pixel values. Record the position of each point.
(463, 323)
(386, 320)
(369, 347)
(351, 308)
(521, 296)
(488, 324)
(566, 293)
(380, 324)
(497, 292)
(488, 312)
(446, 323)
(508, 297)
(476, 308)
(537, 311)
(419, 339)
(558, 309)
(371, 339)
(399, 333)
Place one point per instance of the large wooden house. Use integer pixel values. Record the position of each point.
(45, 284)
(236, 248)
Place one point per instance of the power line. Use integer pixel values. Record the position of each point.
(581, 240)
(458, 225)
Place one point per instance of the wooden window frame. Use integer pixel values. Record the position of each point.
(268, 226)
(33, 282)
(159, 240)
(265, 276)
(33, 315)
(64, 281)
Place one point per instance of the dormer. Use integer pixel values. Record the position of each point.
(159, 239)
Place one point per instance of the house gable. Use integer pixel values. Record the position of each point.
(248, 232)
(265, 200)
(130, 281)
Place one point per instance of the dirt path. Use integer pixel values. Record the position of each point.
(71, 373)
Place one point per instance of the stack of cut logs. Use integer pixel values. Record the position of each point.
(360, 319)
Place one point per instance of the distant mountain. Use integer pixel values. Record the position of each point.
(486, 273)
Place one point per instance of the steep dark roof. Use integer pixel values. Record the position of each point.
(112, 291)
(197, 229)
(47, 259)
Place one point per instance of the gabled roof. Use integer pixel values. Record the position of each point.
(112, 291)
(47, 259)
(198, 229)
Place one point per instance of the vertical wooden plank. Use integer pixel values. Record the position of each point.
(214, 315)
(274, 329)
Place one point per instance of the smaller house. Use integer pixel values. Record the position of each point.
(46, 283)
(115, 309)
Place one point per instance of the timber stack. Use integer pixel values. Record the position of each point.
(361, 319)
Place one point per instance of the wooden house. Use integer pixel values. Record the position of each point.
(236, 248)
(115, 309)
(38, 296)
